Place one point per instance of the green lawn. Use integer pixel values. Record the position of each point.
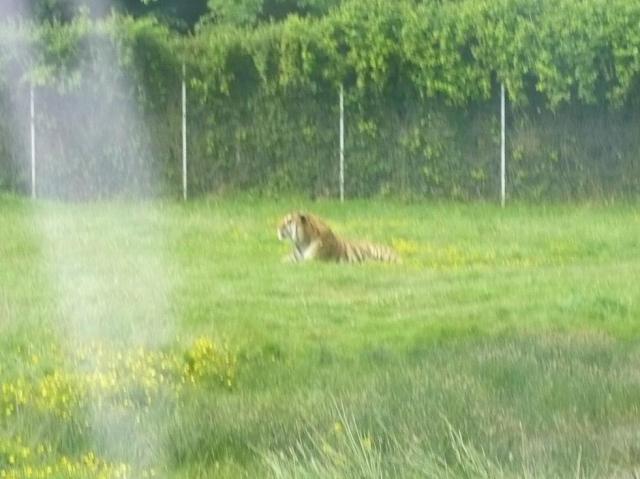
(170, 339)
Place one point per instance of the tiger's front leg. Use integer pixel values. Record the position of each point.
(312, 250)
(295, 256)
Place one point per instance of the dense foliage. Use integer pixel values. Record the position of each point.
(178, 14)
(421, 82)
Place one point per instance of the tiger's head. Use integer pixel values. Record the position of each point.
(294, 227)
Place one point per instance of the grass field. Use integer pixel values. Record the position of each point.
(169, 340)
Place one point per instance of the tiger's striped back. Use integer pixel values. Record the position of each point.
(357, 252)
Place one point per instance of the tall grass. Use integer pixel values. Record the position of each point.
(504, 345)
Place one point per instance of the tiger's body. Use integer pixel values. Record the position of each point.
(313, 239)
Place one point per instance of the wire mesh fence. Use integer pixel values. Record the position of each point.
(93, 141)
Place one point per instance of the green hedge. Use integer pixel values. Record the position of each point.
(421, 82)
(563, 50)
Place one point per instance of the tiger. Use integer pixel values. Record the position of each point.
(313, 239)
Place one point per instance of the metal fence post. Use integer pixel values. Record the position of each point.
(184, 133)
(341, 143)
(32, 127)
(502, 148)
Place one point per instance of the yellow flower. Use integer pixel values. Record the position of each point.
(367, 443)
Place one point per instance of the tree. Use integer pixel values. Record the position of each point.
(179, 14)
(252, 12)
(39, 10)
